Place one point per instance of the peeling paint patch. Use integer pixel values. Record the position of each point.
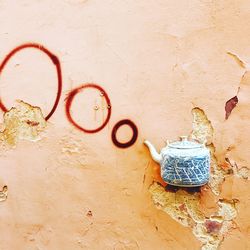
(210, 241)
(23, 122)
(230, 105)
(239, 61)
(202, 127)
(203, 131)
(126, 244)
(181, 206)
(227, 209)
(184, 206)
(73, 151)
(4, 193)
(213, 227)
(217, 174)
(232, 102)
(243, 172)
(240, 172)
(185, 209)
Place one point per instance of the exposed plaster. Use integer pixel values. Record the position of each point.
(186, 207)
(240, 172)
(203, 131)
(23, 122)
(239, 61)
(217, 174)
(73, 151)
(202, 127)
(4, 193)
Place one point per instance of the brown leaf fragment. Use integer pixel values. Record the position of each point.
(230, 105)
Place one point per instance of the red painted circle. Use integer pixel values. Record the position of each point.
(131, 141)
(54, 60)
(72, 95)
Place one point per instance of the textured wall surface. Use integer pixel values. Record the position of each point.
(173, 67)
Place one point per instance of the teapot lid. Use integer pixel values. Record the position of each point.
(184, 143)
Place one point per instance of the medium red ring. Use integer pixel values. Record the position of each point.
(55, 61)
(131, 141)
(72, 95)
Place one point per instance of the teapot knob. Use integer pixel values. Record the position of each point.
(184, 138)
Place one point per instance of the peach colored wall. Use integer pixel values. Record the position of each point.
(159, 61)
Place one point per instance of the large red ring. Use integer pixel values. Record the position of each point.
(55, 61)
(72, 95)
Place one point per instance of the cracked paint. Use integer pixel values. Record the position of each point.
(203, 132)
(240, 172)
(173, 57)
(23, 122)
(4, 193)
(232, 102)
(239, 61)
(202, 127)
(186, 208)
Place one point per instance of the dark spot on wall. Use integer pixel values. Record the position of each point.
(89, 213)
(213, 227)
(32, 123)
(182, 207)
(230, 105)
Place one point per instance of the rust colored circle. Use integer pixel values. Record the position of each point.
(72, 95)
(54, 60)
(131, 141)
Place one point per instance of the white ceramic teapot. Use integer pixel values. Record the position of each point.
(183, 163)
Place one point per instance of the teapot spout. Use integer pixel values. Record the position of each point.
(155, 155)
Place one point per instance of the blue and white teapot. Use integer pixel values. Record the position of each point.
(183, 163)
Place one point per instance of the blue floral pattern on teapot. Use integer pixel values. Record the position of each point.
(183, 163)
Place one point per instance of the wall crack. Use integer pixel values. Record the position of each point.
(232, 102)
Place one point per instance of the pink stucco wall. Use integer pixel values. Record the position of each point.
(158, 60)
